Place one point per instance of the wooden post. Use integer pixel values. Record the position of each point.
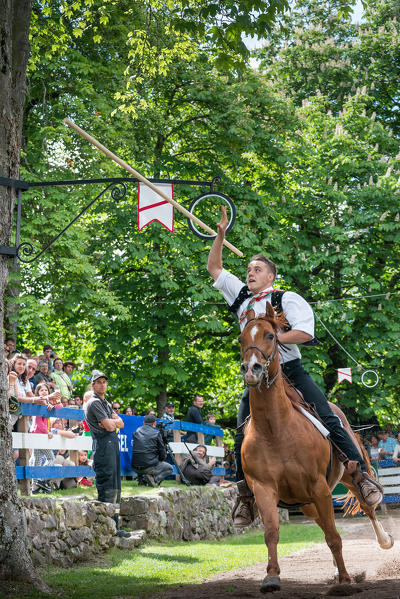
(73, 456)
(200, 438)
(178, 456)
(23, 426)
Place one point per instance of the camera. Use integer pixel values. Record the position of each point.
(164, 433)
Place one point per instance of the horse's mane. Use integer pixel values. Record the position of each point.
(272, 321)
(295, 396)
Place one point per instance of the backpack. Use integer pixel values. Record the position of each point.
(276, 302)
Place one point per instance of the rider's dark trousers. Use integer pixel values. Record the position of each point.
(313, 395)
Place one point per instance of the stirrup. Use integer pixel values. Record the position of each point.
(358, 475)
(373, 481)
(370, 491)
(243, 511)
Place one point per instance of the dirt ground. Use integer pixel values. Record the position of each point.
(309, 574)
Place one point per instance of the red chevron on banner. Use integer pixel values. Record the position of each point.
(152, 207)
(344, 374)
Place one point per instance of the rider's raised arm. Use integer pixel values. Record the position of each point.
(214, 265)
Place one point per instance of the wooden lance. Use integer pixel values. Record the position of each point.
(143, 179)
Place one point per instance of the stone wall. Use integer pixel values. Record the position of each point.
(184, 514)
(63, 532)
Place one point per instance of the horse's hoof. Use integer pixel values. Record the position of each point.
(389, 542)
(270, 584)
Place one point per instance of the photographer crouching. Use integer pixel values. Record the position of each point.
(149, 453)
(198, 469)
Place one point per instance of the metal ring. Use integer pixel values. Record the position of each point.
(376, 375)
(203, 196)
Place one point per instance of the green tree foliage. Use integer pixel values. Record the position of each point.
(339, 207)
(336, 209)
(322, 50)
(313, 175)
(140, 302)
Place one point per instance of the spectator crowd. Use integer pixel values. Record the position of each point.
(47, 380)
(384, 444)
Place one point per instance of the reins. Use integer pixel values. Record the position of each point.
(268, 361)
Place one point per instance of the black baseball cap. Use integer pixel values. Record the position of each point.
(150, 419)
(169, 405)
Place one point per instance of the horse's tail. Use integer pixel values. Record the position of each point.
(350, 504)
(365, 455)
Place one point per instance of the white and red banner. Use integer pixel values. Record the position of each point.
(344, 374)
(152, 206)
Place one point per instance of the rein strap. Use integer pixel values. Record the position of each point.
(268, 361)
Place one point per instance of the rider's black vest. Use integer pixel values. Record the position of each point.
(276, 302)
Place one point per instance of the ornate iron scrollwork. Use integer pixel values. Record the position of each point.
(214, 181)
(26, 249)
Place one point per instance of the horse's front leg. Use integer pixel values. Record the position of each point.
(326, 520)
(266, 501)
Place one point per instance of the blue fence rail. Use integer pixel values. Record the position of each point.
(24, 472)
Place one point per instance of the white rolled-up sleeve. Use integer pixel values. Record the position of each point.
(298, 312)
(229, 285)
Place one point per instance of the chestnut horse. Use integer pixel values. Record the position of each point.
(284, 456)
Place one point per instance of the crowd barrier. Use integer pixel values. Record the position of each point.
(389, 477)
(388, 474)
(25, 442)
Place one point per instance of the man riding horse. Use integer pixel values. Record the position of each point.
(261, 273)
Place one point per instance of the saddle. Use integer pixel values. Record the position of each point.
(308, 410)
(297, 399)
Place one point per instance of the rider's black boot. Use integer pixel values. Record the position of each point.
(370, 490)
(243, 512)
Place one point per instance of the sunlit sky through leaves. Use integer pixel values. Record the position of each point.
(255, 42)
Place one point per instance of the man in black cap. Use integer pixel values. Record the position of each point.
(149, 454)
(169, 416)
(103, 423)
(169, 412)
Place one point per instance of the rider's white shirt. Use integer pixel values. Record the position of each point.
(298, 312)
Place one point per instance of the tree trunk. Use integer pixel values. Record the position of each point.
(15, 561)
(161, 401)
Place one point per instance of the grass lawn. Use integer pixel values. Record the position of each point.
(154, 566)
(128, 488)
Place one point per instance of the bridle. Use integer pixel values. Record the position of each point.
(268, 361)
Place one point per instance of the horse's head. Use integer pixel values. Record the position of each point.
(259, 348)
